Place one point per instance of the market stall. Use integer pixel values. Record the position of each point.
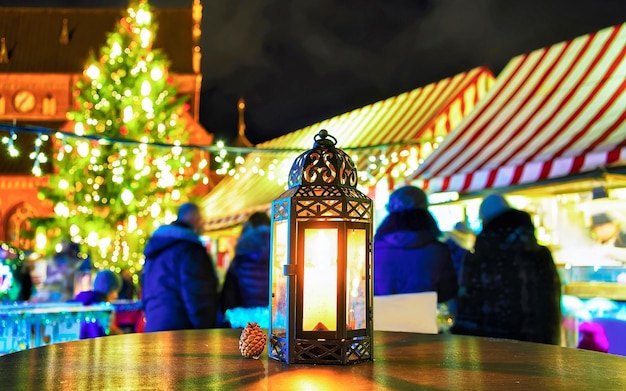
(386, 139)
(551, 135)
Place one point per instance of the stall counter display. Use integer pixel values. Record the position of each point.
(24, 326)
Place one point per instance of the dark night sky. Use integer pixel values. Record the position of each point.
(297, 62)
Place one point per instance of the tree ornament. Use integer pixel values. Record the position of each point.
(252, 341)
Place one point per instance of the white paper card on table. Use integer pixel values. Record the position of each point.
(409, 312)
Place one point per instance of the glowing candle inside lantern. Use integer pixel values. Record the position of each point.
(320, 280)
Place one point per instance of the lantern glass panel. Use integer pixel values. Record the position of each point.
(356, 281)
(279, 280)
(319, 312)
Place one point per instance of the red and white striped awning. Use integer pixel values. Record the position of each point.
(410, 120)
(551, 113)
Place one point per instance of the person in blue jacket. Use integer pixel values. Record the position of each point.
(408, 255)
(179, 279)
(106, 286)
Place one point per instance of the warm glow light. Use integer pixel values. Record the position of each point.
(132, 223)
(128, 114)
(139, 162)
(146, 105)
(146, 88)
(92, 239)
(40, 240)
(145, 36)
(155, 210)
(82, 149)
(127, 196)
(319, 310)
(143, 17)
(79, 129)
(93, 72)
(61, 210)
(116, 50)
(156, 73)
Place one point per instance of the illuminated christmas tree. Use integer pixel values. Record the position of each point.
(127, 172)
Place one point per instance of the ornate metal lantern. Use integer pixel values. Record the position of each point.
(321, 262)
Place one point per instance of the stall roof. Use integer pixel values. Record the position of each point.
(552, 113)
(424, 113)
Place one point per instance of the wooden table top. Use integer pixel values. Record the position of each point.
(210, 359)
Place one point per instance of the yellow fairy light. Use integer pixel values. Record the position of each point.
(74, 230)
(132, 223)
(79, 128)
(156, 73)
(93, 72)
(116, 50)
(82, 149)
(127, 197)
(139, 162)
(146, 88)
(143, 17)
(40, 240)
(92, 239)
(146, 105)
(127, 114)
(145, 35)
(36, 169)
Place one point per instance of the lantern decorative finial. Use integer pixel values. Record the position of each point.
(324, 164)
(323, 138)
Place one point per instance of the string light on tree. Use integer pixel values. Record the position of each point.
(107, 178)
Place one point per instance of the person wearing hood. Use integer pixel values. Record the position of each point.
(408, 256)
(510, 286)
(106, 286)
(246, 284)
(179, 280)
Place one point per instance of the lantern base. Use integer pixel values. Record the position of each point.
(334, 352)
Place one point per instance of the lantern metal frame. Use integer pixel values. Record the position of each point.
(321, 193)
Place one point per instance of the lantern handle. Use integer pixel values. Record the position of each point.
(323, 138)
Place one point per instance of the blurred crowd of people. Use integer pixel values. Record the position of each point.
(500, 283)
(497, 283)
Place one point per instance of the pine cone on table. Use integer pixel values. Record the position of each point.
(252, 341)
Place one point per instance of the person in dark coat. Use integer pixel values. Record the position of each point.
(179, 280)
(246, 283)
(511, 288)
(460, 241)
(408, 256)
(106, 286)
(127, 291)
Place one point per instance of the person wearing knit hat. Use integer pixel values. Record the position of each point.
(407, 198)
(106, 286)
(510, 287)
(492, 206)
(408, 255)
